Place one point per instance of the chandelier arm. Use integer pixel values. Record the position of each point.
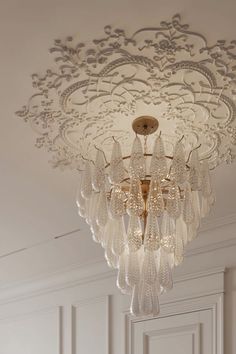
(84, 158)
(103, 154)
(192, 151)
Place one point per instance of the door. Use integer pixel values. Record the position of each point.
(189, 333)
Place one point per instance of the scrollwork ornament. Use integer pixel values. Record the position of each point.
(96, 89)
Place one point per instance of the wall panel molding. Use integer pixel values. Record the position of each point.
(86, 306)
(52, 313)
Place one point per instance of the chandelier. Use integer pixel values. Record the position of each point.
(143, 209)
(143, 198)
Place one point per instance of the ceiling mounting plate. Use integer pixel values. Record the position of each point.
(145, 125)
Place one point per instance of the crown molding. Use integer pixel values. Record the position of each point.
(218, 222)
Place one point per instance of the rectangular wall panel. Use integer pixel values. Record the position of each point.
(91, 326)
(34, 333)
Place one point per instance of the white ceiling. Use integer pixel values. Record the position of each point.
(37, 202)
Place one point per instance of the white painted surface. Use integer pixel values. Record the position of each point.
(37, 203)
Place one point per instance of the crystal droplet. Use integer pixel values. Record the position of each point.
(95, 230)
(135, 203)
(121, 276)
(194, 173)
(178, 167)
(134, 307)
(119, 237)
(152, 235)
(155, 203)
(102, 213)
(168, 233)
(86, 183)
(99, 172)
(134, 234)
(155, 300)
(107, 233)
(205, 207)
(117, 203)
(149, 271)
(146, 299)
(173, 205)
(181, 230)
(165, 275)
(179, 250)
(133, 269)
(82, 212)
(192, 232)
(158, 165)
(112, 259)
(188, 209)
(92, 208)
(80, 201)
(197, 208)
(205, 179)
(137, 161)
(116, 170)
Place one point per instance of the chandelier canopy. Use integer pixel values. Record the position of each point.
(147, 202)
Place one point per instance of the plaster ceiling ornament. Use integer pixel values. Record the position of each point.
(147, 202)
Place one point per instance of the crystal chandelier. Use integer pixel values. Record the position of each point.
(143, 209)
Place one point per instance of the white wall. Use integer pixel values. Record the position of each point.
(80, 311)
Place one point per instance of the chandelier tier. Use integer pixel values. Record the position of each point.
(143, 209)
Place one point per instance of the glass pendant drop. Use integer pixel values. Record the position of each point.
(134, 234)
(188, 209)
(146, 299)
(168, 233)
(155, 300)
(102, 213)
(86, 183)
(133, 269)
(158, 165)
(135, 202)
(152, 237)
(165, 275)
(121, 276)
(98, 179)
(137, 168)
(135, 306)
(178, 167)
(194, 172)
(119, 237)
(149, 270)
(117, 202)
(173, 205)
(155, 203)
(116, 169)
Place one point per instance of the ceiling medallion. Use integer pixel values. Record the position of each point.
(98, 88)
(177, 94)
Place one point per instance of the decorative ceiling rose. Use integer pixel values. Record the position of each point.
(147, 202)
(97, 89)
